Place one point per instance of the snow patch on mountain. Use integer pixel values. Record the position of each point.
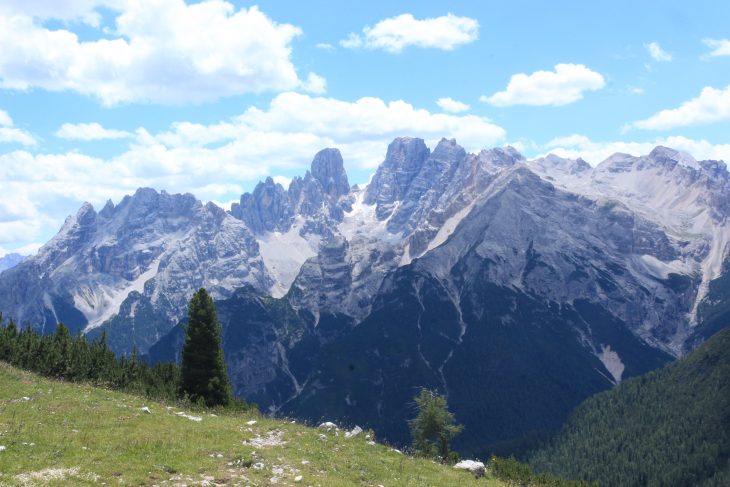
(48, 303)
(449, 226)
(661, 270)
(100, 303)
(362, 222)
(285, 253)
(612, 362)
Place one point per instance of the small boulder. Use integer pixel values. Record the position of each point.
(354, 432)
(328, 425)
(477, 468)
(146, 410)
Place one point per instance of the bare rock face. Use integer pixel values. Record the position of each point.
(403, 161)
(655, 226)
(329, 170)
(156, 245)
(320, 194)
(267, 209)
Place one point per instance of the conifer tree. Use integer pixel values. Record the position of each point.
(203, 375)
(434, 426)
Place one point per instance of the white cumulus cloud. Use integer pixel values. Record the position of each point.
(315, 84)
(712, 105)
(657, 53)
(9, 134)
(450, 105)
(368, 119)
(396, 33)
(720, 47)
(163, 51)
(562, 86)
(89, 131)
(84, 11)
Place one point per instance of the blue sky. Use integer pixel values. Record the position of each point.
(99, 97)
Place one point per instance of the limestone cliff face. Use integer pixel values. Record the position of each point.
(641, 237)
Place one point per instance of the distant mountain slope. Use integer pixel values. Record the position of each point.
(328, 246)
(713, 312)
(151, 250)
(10, 260)
(668, 427)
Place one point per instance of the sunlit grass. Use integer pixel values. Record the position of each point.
(55, 433)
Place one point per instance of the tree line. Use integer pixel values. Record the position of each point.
(201, 380)
(61, 355)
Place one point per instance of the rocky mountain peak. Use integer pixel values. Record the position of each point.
(406, 152)
(329, 170)
(617, 162)
(671, 157)
(716, 169)
(266, 209)
(555, 166)
(448, 150)
(501, 156)
(108, 209)
(403, 162)
(86, 214)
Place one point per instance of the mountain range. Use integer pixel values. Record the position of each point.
(516, 287)
(10, 260)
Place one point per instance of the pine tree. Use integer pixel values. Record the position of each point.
(203, 371)
(434, 426)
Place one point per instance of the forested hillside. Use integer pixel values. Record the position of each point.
(668, 427)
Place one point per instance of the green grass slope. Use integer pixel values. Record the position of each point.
(57, 433)
(670, 427)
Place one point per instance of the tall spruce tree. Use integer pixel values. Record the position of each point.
(203, 375)
(434, 427)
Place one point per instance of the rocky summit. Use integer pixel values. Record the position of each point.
(518, 287)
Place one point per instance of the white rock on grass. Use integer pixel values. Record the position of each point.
(191, 418)
(272, 438)
(354, 432)
(477, 468)
(2, 447)
(328, 425)
(251, 423)
(145, 409)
